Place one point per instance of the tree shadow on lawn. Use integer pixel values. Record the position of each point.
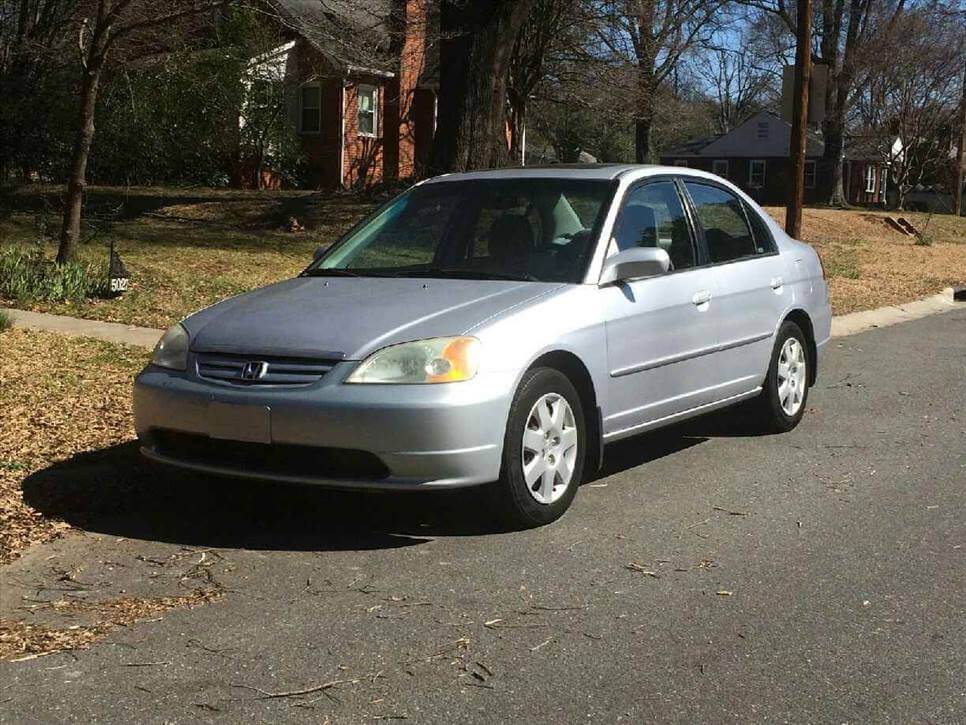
(234, 208)
(116, 491)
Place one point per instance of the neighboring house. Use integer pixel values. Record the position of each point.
(754, 156)
(361, 86)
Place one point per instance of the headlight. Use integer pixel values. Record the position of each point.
(437, 360)
(172, 349)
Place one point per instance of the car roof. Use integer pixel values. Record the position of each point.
(603, 172)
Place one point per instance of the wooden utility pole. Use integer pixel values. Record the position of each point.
(960, 152)
(796, 147)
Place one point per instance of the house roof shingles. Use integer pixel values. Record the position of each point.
(735, 144)
(351, 33)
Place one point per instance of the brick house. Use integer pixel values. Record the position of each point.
(754, 156)
(359, 75)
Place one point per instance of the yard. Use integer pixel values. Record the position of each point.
(186, 249)
(870, 265)
(60, 396)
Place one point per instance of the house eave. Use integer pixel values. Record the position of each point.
(363, 70)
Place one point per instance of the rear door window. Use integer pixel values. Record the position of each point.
(723, 219)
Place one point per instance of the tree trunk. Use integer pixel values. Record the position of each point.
(77, 181)
(644, 118)
(833, 191)
(475, 50)
(642, 138)
(518, 122)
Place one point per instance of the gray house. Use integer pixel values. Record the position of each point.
(754, 156)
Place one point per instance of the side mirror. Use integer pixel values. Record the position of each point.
(634, 264)
(319, 251)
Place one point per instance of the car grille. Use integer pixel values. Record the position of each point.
(231, 368)
(269, 459)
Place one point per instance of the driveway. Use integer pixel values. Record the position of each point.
(706, 575)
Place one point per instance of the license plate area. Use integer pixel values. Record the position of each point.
(234, 422)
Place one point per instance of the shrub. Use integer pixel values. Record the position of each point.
(28, 275)
(5, 322)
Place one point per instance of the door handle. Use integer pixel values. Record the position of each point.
(777, 282)
(701, 298)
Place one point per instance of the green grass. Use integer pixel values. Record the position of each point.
(844, 263)
(28, 275)
(5, 322)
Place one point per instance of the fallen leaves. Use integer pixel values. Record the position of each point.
(59, 396)
(20, 641)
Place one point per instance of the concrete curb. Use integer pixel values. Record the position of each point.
(147, 337)
(109, 331)
(856, 322)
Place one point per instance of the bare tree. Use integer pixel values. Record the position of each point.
(737, 82)
(844, 33)
(652, 37)
(546, 29)
(111, 30)
(912, 92)
(476, 46)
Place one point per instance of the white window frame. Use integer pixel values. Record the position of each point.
(318, 86)
(870, 178)
(716, 164)
(810, 165)
(372, 92)
(761, 163)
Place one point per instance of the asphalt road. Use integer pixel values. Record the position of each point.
(812, 577)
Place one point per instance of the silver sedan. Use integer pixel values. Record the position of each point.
(497, 328)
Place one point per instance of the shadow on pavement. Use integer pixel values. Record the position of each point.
(115, 491)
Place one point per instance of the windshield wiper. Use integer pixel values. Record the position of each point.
(320, 272)
(460, 272)
(340, 272)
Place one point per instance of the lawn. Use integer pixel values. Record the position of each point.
(187, 249)
(869, 265)
(184, 249)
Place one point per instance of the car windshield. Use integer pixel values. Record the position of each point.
(540, 230)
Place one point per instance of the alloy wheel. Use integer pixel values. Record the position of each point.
(549, 448)
(791, 376)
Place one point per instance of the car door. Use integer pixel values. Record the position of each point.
(750, 289)
(660, 330)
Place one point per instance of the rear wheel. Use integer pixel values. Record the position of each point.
(543, 450)
(782, 402)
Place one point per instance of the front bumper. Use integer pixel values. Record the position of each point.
(426, 436)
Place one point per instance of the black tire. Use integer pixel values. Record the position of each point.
(770, 416)
(516, 506)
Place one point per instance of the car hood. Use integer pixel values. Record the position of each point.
(347, 318)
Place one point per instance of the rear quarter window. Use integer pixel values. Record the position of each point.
(764, 241)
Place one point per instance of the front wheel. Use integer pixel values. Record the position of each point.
(543, 450)
(782, 402)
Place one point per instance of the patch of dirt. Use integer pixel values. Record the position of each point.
(20, 640)
(59, 396)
